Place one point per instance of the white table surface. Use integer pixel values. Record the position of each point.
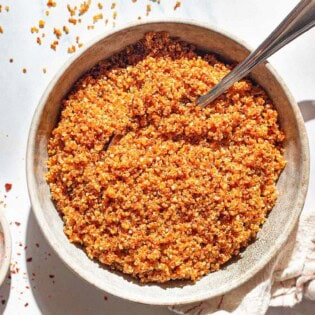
(31, 290)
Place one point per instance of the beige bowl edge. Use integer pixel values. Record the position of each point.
(44, 225)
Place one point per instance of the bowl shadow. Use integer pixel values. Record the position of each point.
(5, 292)
(307, 108)
(57, 290)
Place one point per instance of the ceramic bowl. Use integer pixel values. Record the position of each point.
(292, 184)
(5, 248)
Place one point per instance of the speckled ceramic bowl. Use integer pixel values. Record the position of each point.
(5, 248)
(292, 184)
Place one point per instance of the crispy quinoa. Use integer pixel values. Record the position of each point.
(181, 189)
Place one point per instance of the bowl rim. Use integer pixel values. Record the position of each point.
(7, 247)
(66, 257)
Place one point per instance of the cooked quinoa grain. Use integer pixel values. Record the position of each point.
(72, 21)
(54, 44)
(34, 29)
(97, 17)
(72, 11)
(41, 23)
(51, 4)
(181, 189)
(177, 5)
(57, 32)
(65, 29)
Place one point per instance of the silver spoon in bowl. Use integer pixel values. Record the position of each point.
(298, 21)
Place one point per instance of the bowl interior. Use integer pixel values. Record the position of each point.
(291, 185)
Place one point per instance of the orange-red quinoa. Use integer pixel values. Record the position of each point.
(182, 189)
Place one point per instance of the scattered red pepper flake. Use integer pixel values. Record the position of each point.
(29, 259)
(13, 268)
(8, 186)
(26, 305)
(1, 30)
(37, 245)
(3, 302)
(17, 223)
(24, 70)
(11, 60)
(51, 276)
(105, 298)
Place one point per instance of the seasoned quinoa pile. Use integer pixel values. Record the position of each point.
(181, 189)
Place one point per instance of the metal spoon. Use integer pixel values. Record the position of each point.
(299, 20)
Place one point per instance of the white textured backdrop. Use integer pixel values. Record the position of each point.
(40, 283)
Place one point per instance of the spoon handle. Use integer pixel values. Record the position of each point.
(299, 20)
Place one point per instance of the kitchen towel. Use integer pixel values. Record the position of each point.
(285, 280)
